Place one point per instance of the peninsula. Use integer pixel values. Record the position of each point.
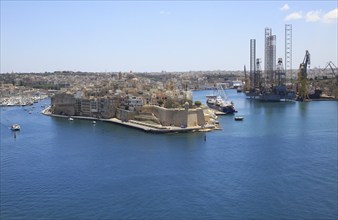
(136, 102)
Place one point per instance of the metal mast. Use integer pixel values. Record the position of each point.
(267, 50)
(258, 73)
(288, 50)
(252, 62)
(269, 55)
(280, 73)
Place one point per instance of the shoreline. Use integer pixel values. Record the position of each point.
(159, 129)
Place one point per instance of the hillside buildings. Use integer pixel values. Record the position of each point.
(128, 97)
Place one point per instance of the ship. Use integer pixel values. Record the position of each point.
(277, 94)
(219, 102)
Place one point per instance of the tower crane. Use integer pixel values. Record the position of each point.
(302, 78)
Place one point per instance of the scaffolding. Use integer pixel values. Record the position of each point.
(252, 62)
(288, 50)
(266, 51)
(269, 55)
(280, 73)
(258, 74)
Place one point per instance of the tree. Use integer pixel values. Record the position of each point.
(160, 102)
(198, 103)
(169, 103)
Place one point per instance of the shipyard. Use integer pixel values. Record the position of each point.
(279, 82)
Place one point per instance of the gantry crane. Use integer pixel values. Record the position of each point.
(302, 78)
(334, 85)
(334, 75)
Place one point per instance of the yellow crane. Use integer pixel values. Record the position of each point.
(303, 93)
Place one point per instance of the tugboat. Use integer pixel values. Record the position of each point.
(15, 127)
(219, 102)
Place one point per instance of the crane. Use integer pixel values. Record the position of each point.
(334, 85)
(330, 64)
(302, 77)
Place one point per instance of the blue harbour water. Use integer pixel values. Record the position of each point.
(279, 162)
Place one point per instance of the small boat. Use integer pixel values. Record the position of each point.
(94, 122)
(70, 119)
(15, 127)
(239, 118)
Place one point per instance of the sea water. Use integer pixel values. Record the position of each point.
(279, 162)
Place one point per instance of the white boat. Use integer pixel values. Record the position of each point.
(15, 127)
(70, 119)
(239, 118)
(94, 122)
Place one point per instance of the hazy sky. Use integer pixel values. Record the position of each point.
(145, 36)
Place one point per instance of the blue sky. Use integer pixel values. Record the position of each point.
(147, 36)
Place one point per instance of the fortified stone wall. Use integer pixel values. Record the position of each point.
(124, 115)
(176, 117)
(63, 104)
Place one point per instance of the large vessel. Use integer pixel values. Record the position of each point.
(277, 94)
(219, 102)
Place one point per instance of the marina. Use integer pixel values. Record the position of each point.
(21, 100)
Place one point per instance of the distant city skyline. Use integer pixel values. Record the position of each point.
(154, 36)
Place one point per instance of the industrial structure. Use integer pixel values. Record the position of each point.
(280, 76)
(270, 86)
(323, 82)
(302, 86)
(258, 74)
(288, 50)
(269, 55)
(252, 62)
